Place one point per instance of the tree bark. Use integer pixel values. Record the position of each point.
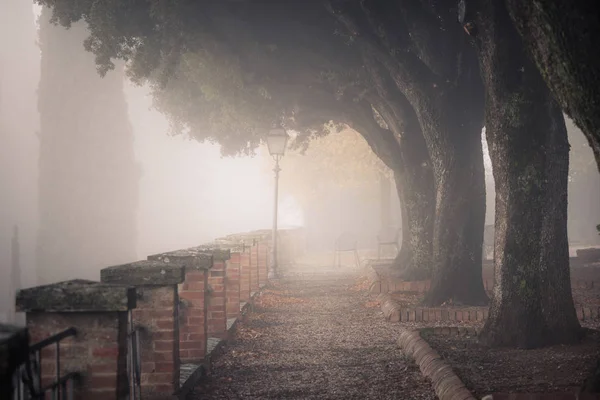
(562, 35)
(414, 180)
(532, 304)
(415, 186)
(440, 79)
(460, 206)
(450, 117)
(413, 261)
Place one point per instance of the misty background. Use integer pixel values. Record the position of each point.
(91, 177)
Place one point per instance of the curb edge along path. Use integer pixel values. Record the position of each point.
(446, 383)
(315, 337)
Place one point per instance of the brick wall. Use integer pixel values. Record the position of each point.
(98, 351)
(156, 314)
(245, 277)
(193, 313)
(263, 250)
(217, 303)
(233, 285)
(254, 272)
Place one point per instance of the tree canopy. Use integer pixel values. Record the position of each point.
(340, 158)
(407, 76)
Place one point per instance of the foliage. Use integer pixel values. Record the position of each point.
(216, 69)
(342, 158)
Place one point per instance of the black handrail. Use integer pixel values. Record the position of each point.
(53, 339)
(30, 372)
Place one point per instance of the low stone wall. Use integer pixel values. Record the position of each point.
(395, 312)
(183, 303)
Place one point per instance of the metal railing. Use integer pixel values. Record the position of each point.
(28, 378)
(134, 364)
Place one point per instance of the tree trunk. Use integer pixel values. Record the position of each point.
(450, 117)
(557, 297)
(562, 35)
(449, 113)
(460, 212)
(529, 153)
(414, 180)
(414, 183)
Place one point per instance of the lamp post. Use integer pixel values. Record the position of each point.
(276, 142)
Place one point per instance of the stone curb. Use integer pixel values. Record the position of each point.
(446, 383)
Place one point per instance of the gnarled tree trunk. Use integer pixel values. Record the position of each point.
(414, 180)
(414, 183)
(562, 36)
(532, 304)
(456, 150)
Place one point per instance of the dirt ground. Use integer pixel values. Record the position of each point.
(315, 335)
(556, 369)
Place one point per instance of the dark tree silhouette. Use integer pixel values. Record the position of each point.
(88, 176)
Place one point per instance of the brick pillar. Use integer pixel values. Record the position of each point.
(263, 263)
(233, 285)
(254, 273)
(193, 304)
(157, 317)
(99, 313)
(217, 301)
(245, 276)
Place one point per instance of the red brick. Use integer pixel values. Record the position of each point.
(194, 276)
(195, 286)
(106, 352)
(164, 345)
(165, 367)
(161, 356)
(163, 335)
(192, 295)
(165, 325)
(218, 313)
(195, 321)
(195, 303)
(191, 345)
(195, 354)
(105, 380)
(195, 337)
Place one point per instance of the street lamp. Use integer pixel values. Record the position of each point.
(276, 142)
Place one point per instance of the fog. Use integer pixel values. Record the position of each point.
(163, 192)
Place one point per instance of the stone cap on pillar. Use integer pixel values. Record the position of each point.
(77, 295)
(249, 237)
(144, 273)
(231, 245)
(217, 251)
(191, 259)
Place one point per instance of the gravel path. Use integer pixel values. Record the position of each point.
(315, 335)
